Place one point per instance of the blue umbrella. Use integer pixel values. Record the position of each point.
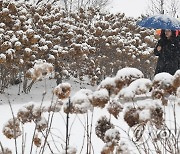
(160, 22)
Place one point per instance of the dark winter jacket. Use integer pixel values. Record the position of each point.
(169, 55)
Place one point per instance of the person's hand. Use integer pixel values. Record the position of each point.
(159, 48)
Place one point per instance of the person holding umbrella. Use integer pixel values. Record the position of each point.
(168, 47)
(168, 52)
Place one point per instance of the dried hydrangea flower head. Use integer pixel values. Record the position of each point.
(127, 75)
(10, 126)
(114, 107)
(62, 91)
(29, 113)
(81, 101)
(176, 82)
(163, 86)
(100, 98)
(40, 69)
(5, 151)
(102, 125)
(37, 141)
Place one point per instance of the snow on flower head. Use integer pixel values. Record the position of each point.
(129, 73)
(112, 135)
(114, 107)
(176, 82)
(100, 98)
(12, 128)
(109, 84)
(164, 78)
(70, 150)
(126, 75)
(144, 112)
(40, 69)
(2, 58)
(162, 86)
(62, 91)
(137, 87)
(81, 101)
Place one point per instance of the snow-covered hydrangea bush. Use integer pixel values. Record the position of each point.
(82, 43)
(163, 86)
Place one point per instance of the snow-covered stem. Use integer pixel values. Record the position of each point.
(14, 124)
(49, 123)
(67, 128)
(85, 129)
(87, 133)
(90, 136)
(54, 142)
(2, 147)
(83, 141)
(34, 132)
(70, 128)
(42, 148)
(23, 140)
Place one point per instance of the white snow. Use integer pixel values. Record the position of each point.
(101, 93)
(81, 100)
(129, 73)
(164, 78)
(108, 81)
(2, 56)
(137, 87)
(145, 115)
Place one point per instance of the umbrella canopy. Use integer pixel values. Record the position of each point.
(160, 22)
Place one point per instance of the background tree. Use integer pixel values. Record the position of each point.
(171, 7)
(71, 5)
